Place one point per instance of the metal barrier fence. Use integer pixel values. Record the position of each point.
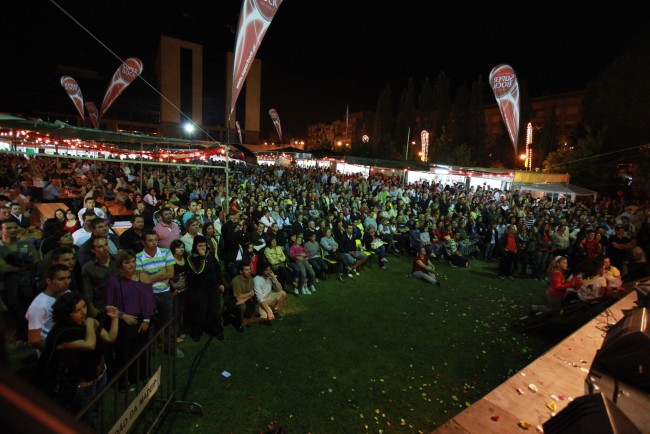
(140, 406)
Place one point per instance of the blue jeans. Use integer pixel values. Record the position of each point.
(85, 395)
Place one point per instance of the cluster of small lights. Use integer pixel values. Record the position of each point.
(424, 140)
(29, 139)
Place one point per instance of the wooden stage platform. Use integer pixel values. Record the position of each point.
(557, 376)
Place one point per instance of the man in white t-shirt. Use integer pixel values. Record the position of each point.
(269, 294)
(39, 313)
(90, 206)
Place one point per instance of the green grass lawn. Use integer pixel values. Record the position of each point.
(381, 353)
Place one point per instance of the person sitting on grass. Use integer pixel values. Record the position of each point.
(558, 286)
(243, 301)
(269, 295)
(421, 268)
(456, 258)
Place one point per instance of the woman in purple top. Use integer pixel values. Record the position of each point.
(134, 300)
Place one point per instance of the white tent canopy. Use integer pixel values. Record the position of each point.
(557, 190)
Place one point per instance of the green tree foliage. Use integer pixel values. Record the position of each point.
(405, 116)
(585, 162)
(381, 135)
(476, 124)
(459, 117)
(441, 107)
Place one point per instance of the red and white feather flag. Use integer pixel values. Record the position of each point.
(74, 92)
(128, 71)
(506, 91)
(254, 19)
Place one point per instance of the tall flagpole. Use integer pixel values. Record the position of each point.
(347, 117)
(408, 138)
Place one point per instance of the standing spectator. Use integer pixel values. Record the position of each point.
(193, 229)
(508, 247)
(179, 287)
(83, 234)
(158, 263)
(206, 288)
(90, 205)
(99, 229)
(18, 263)
(560, 241)
(78, 341)
(95, 274)
(521, 258)
(620, 247)
(491, 239)
(167, 229)
(543, 251)
(193, 212)
(39, 313)
(131, 239)
(18, 216)
(134, 301)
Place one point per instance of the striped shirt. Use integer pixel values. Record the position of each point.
(153, 264)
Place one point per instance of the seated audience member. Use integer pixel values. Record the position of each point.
(373, 243)
(243, 296)
(612, 274)
(315, 259)
(331, 253)
(456, 258)
(421, 269)
(558, 286)
(300, 257)
(593, 284)
(269, 294)
(351, 253)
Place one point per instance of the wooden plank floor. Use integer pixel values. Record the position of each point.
(561, 372)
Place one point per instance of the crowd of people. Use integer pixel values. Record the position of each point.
(198, 262)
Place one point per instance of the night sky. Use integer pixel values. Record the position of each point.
(319, 57)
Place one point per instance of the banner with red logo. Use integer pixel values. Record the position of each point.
(241, 142)
(125, 74)
(91, 108)
(74, 92)
(506, 91)
(254, 19)
(276, 121)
